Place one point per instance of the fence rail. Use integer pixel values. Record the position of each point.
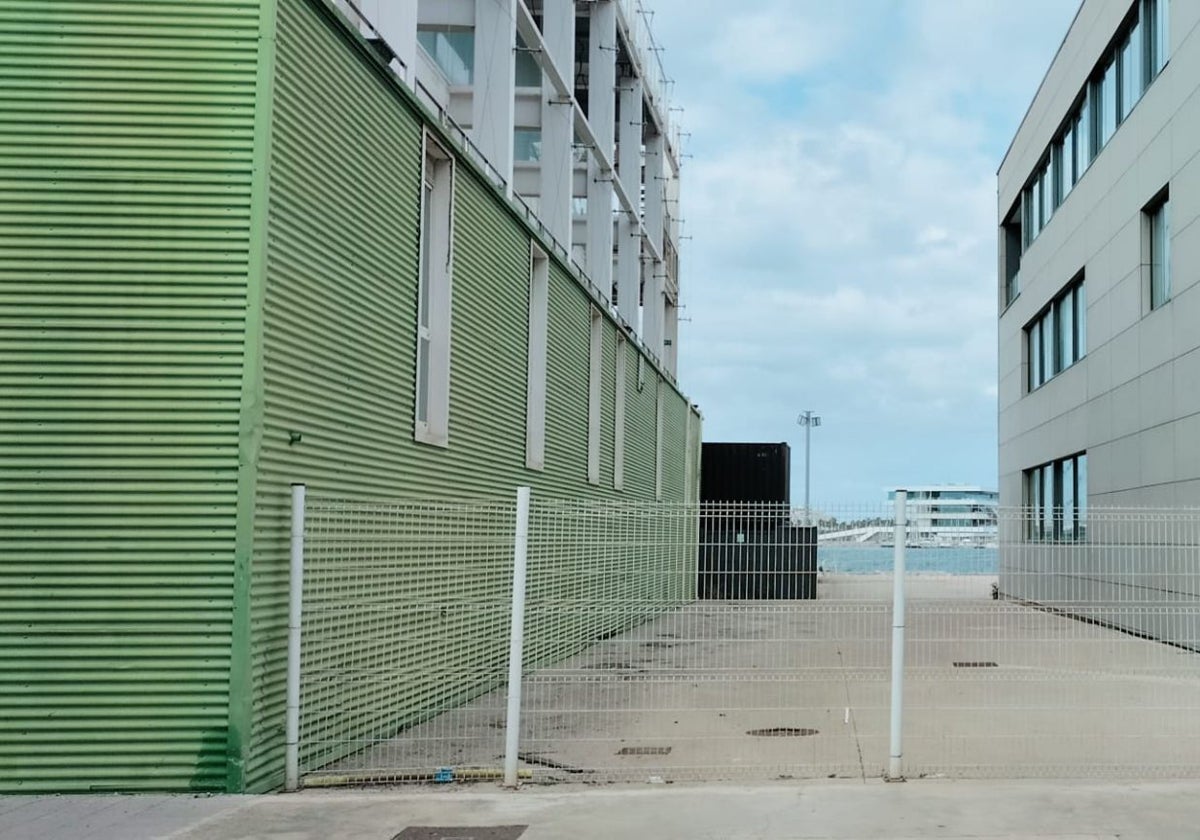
(662, 641)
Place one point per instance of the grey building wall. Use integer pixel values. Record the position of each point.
(1133, 403)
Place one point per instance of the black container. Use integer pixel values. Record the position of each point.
(745, 472)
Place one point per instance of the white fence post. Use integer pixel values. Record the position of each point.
(896, 756)
(295, 609)
(516, 647)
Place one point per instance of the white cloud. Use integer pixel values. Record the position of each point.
(842, 207)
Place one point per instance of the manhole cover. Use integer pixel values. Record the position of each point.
(462, 832)
(782, 732)
(644, 751)
(975, 665)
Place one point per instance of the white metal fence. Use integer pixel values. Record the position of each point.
(663, 642)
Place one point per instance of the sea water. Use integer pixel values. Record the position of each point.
(848, 559)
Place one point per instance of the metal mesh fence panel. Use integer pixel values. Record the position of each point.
(668, 641)
(406, 619)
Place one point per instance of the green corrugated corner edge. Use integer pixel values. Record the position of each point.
(250, 411)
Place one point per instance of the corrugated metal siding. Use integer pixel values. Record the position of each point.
(126, 135)
(339, 344)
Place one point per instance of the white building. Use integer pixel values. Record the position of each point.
(950, 514)
(600, 172)
(1099, 326)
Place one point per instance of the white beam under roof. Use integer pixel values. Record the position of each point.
(583, 129)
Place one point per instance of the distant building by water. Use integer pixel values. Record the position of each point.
(950, 515)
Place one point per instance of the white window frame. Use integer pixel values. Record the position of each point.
(1158, 250)
(535, 395)
(622, 361)
(658, 441)
(596, 359)
(434, 295)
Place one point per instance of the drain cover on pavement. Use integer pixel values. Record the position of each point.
(462, 832)
(975, 665)
(644, 751)
(782, 732)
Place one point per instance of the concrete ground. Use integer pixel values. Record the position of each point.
(845, 810)
(729, 691)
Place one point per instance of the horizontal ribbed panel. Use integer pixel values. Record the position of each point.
(126, 133)
(340, 347)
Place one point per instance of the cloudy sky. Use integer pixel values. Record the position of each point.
(840, 199)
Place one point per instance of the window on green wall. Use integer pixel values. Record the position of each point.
(432, 403)
(535, 399)
(658, 440)
(596, 357)
(619, 414)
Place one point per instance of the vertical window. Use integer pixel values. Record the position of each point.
(1056, 338)
(1056, 495)
(594, 373)
(1083, 139)
(658, 441)
(535, 394)
(1012, 254)
(432, 414)
(1159, 258)
(452, 50)
(1056, 174)
(619, 414)
(527, 144)
(526, 71)
(1068, 160)
(1154, 12)
(1108, 103)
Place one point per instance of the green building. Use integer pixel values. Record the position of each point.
(213, 285)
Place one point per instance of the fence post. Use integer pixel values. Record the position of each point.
(295, 608)
(516, 646)
(895, 760)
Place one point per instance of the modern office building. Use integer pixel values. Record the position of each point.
(1099, 325)
(247, 243)
(601, 171)
(950, 514)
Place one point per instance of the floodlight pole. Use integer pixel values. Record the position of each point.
(807, 420)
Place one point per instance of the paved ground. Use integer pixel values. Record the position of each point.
(678, 698)
(841, 810)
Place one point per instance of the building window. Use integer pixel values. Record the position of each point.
(452, 50)
(1158, 256)
(596, 357)
(1056, 499)
(433, 304)
(527, 72)
(527, 144)
(622, 359)
(1057, 337)
(1121, 77)
(658, 441)
(1155, 12)
(1012, 255)
(535, 397)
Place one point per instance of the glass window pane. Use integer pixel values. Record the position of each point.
(1068, 159)
(423, 379)
(1048, 501)
(1080, 322)
(426, 239)
(1159, 38)
(527, 144)
(1083, 138)
(1108, 103)
(1160, 256)
(1047, 187)
(1048, 345)
(452, 50)
(1068, 499)
(1081, 496)
(1066, 332)
(528, 73)
(1035, 355)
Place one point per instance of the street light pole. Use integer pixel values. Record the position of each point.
(807, 420)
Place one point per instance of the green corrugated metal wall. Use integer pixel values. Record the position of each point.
(339, 335)
(126, 139)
